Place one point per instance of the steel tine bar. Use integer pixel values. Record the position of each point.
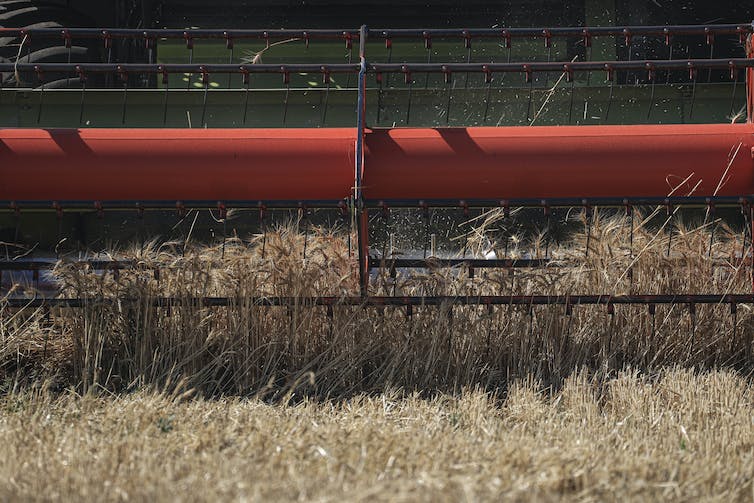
(263, 226)
(428, 47)
(166, 83)
(205, 82)
(669, 43)
(190, 46)
(734, 73)
(82, 80)
(572, 81)
(588, 224)
(467, 45)
(711, 212)
(223, 214)
(59, 216)
(610, 78)
(653, 79)
(389, 48)
(409, 81)
(548, 46)
(230, 45)
(124, 78)
(530, 80)
(246, 76)
(141, 233)
(40, 77)
(670, 223)
(287, 83)
(17, 222)
(304, 215)
(378, 77)
(587, 37)
(427, 217)
(349, 45)
(548, 216)
(488, 81)
(465, 208)
(326, 77)
(448, 91)
(693, 76)
(710, 38)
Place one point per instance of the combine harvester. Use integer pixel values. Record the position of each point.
(154, 133)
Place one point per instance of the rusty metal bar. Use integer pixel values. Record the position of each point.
(380, 301)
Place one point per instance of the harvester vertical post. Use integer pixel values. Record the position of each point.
(360, 212)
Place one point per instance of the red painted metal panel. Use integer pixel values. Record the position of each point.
(560, 162)
(176, 164)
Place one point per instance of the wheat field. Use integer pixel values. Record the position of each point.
(123, 400)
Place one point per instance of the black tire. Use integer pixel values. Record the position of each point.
(40, 14)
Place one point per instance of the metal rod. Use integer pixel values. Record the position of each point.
(403, 301)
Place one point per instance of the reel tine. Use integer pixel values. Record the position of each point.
(17, 222)
(569, 78)
(530, 81)
(59, 216)
(287, 83)
(448, 91)
(670, 223)
(41, 93)
(246, 76)
(304, 215)
(101, 218)
(389, 47)
(349, 46)
(548, 216)
(230, 45)
(427, 216)
(488, 81)
(205, 82)
(263, 227)
(428, 47)
(467, 45)
(142, 226)
(326, 77)
(588, 224)
(734, 75)
(668, 42)
(378, 76)
(711, 43)
(653, 79)
(82, 80)
(711, 212)
(611, 79)
(124, 78)
(630, 213)
(166, 84)
(190, 46)
(465, 208)
(409, 81)
(693, 75)
(548, 46)
(223, 214)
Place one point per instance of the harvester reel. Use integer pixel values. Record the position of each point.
(32, 15)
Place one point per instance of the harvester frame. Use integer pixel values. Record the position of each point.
(365, 171)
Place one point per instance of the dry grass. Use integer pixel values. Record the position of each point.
(677, 437)
(126, 401)
(252, 350)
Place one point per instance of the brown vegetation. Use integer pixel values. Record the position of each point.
(249, 349)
